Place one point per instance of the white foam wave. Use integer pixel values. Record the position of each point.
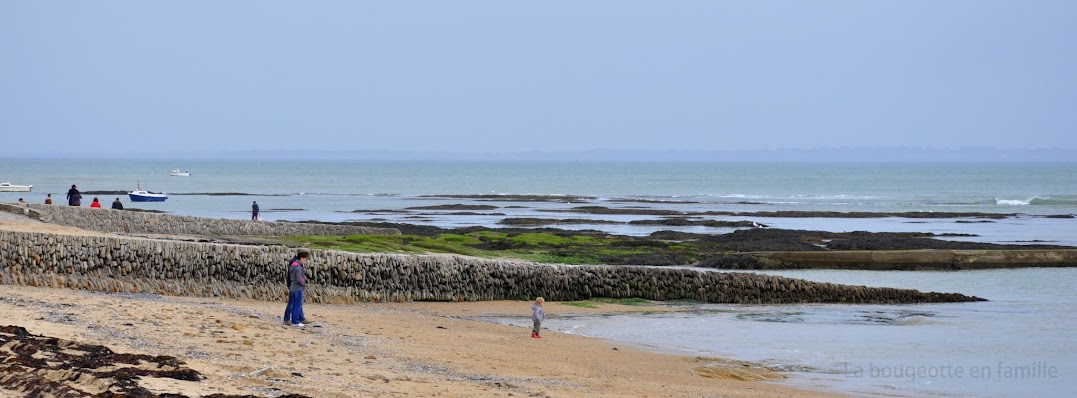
(1039, 201)
(795, 197)
(915, 320)
(1012, 202)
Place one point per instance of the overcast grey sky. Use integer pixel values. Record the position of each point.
(504, 76)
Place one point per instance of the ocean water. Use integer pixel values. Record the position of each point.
(340, 190)
(1020, 343)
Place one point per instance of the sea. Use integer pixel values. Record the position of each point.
(1020, 343)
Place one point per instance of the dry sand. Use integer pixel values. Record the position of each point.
(371, 349)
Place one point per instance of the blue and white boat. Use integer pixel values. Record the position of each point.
(140, 195)
(145, 196)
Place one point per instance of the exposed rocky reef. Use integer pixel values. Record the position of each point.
(780, 214)
(519, 198)
(453, 207)
(673, 221)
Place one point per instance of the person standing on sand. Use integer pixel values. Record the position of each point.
(48, 199)
(288, 282)
(297, 282)
(117, 205)
(537, 315)
(74, 198)
(254, 211)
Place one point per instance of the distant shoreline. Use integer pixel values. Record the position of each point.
(783, 155)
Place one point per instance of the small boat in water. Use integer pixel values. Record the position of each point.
(8, 187)
(140, 195)
(146, 196)
(179, 173)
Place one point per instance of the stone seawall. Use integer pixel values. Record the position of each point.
(108, 220)
(124, 264)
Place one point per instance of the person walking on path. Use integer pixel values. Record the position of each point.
(74, 198)
(117, 205)
(537, 315)
(254, 211)
(48, 199)
(288, 282)
(95, 204)
(297, 282)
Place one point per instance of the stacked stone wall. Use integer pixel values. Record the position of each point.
(138, 265)
(125, 221)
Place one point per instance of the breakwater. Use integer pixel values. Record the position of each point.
(901, 260)
(124, 221)
(139, 265)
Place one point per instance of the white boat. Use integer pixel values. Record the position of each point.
(7, 187)
(179, 173)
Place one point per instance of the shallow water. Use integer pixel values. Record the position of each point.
(1019, 344)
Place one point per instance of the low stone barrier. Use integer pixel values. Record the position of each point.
(911, 260)
(138, 265)
(108, 220)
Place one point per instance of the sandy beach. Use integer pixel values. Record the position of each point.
(415, 349)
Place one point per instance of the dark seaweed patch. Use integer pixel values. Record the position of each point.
(26, 359)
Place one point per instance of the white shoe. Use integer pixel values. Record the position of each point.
(298, 325)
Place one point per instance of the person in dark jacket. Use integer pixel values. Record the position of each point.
(254, 211)
(298, 282)
(288, 283)
(117, 205)
(74, 198)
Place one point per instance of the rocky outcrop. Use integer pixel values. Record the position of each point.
(137, 265)
(108, 220)
(898, 260)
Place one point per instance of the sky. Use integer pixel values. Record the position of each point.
(122, 78)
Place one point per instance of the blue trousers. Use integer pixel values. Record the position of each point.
(294, 311)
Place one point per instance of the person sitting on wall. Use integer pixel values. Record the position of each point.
(48, 199)
(116, 205)
(95, 204)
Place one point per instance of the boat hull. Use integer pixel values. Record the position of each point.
(16, 188)
(142, 196)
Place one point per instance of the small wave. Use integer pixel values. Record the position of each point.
(1012, 202)
(794, 197)
(779, 317)
(1037, 201)
(740, 196)
(1053, 202)
(914, 320)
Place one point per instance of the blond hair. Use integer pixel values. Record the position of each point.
(540, 300)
